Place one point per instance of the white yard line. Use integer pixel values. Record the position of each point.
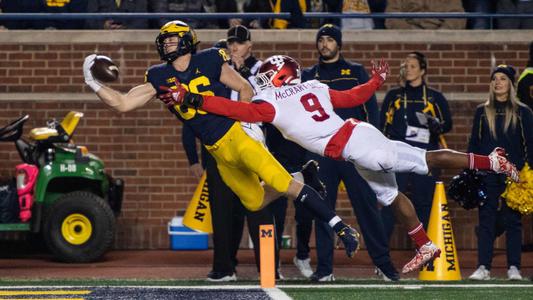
(281, 286)
(404, 286)
(276, 294)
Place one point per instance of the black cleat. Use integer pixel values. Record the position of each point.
(310, 173)
(350, 238)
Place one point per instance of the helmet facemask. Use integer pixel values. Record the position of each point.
(277, 71)
(263, 80)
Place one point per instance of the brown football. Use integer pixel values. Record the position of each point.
(104, 69)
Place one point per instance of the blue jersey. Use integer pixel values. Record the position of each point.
(202, 77)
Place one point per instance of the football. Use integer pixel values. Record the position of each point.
(104, 69)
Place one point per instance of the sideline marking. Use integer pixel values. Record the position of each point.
(256, 287)
(58, 292)
(44, 298)
(276, 294)
(407, 286)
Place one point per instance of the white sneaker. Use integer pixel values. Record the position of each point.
(221, 277)
(513, 273)
(304, 265)
(380, 274)
(326, 278)
(480, 274)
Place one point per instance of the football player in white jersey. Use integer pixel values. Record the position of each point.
(303, 113)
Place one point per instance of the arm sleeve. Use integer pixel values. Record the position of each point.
(189, 144)
(473, 144)
(248, 112)
(443, 112)
(355, 96)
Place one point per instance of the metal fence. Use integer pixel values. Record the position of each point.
(250, 16)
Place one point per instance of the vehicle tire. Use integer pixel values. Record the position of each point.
(79, 227)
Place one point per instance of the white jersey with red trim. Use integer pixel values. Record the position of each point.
(304, 113)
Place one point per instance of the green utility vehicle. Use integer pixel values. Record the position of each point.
(61, 191)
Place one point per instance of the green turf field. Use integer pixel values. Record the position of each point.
(295, 289)
(402, 293)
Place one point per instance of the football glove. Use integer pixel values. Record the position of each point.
(178, 95)
(380, 69)
(89, 79)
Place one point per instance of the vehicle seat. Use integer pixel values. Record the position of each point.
(66, 128)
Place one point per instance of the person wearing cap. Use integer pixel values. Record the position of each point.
(334, 71)
(502, 121)
(525, 81)
(239, 44)
(418, 115)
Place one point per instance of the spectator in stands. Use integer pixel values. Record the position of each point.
(192, 6)
(514, 7)
(525, 81)
(203, 6)
(378, 6)
(502, 121)
(413, 6)
(256, 6)
(479, 6)
(418, 115)
(122, 6)
(21, 6)
(296, 8)
(356, 6)
(228, 6)
(65, 6)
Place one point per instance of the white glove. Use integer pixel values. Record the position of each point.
(89, 79)
(254, 131)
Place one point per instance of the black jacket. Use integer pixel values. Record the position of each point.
(515, 140)
(399, 110)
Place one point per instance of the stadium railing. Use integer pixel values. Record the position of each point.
(248, 16)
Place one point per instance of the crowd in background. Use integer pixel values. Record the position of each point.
(294, 7)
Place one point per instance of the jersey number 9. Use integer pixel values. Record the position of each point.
(311, 104)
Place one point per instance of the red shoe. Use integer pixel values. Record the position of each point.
(424, 255)
(500, 164)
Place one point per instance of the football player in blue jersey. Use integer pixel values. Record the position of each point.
(241, 161)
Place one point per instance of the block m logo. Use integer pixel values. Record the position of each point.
(266, 233)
